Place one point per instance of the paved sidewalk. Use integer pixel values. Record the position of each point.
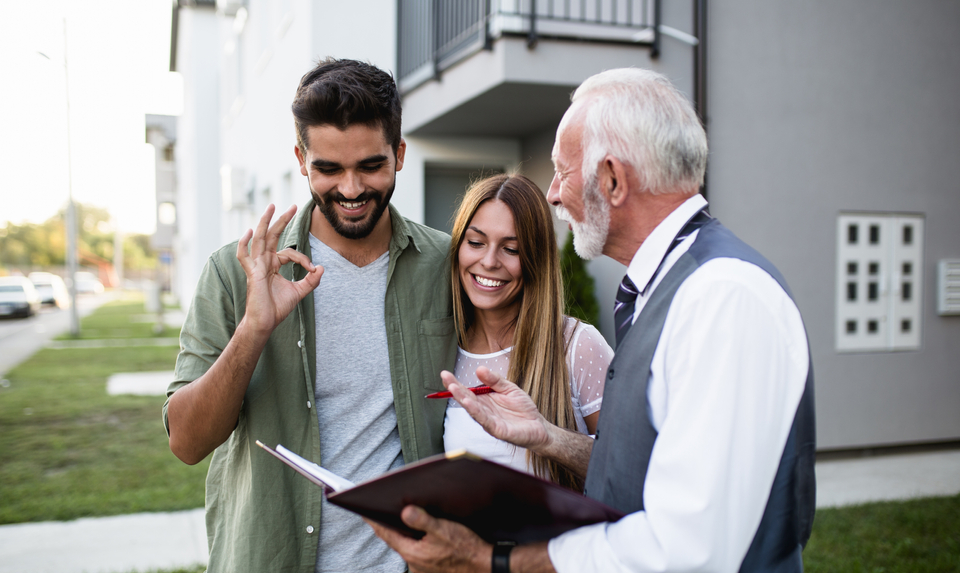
(139, 383)
(21, 338)
(139, 542)
(888, 477)
(150, 541)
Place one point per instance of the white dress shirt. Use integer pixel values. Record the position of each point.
(725, 381)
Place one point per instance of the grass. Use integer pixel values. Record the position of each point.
(68, 450)
(917, 536)
(123, 318)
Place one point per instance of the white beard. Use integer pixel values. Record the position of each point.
(590, 235)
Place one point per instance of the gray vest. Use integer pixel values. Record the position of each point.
(625, 436)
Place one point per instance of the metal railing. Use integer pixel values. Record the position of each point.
(435, 34)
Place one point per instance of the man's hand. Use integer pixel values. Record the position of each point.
(446, 547)
(509, 414)
(270, 296)
(450, 547)
(203, 414)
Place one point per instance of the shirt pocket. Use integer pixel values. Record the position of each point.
(438, 350)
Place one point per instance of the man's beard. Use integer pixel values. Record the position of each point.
(354, 228)
(590, 235)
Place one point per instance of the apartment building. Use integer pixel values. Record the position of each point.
(833, 129)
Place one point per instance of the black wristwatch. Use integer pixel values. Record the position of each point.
(501, 557)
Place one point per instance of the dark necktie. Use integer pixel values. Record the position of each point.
(624, 307)
(626, 301)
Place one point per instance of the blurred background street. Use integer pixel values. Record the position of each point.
(20, 339)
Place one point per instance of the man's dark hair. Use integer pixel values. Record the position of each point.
(342, 93)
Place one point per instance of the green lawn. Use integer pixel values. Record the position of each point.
(69, 450)
(918, 536)
(122, 318)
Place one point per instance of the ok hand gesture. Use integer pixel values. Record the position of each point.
(270, 296)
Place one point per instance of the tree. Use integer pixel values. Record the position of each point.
(31, 245)
(578, 286)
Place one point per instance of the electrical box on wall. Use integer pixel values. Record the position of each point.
(948, 287)
(879, 282)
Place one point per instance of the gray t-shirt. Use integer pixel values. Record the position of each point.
(359, 438)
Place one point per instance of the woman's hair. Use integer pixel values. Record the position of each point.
(538, 362)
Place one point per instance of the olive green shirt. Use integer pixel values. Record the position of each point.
(261, 515)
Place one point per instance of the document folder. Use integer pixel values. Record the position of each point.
(497, 502)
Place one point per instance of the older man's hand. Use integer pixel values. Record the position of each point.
(507, 414)
(446, 546)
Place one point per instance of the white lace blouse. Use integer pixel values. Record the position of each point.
(588, 356)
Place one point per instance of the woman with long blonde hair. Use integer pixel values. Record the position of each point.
(508, 308)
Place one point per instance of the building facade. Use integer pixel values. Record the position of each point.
(832, 127)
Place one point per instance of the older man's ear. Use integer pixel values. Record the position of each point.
(613, 180)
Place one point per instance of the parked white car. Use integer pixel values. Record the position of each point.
(52, 289)
(18, 297)
(88, 283)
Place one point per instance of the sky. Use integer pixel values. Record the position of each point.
(118, 58)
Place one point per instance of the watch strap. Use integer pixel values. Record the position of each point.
(501, 557)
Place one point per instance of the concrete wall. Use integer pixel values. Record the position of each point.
(821, 107)
(198, 184)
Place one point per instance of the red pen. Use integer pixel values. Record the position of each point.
(476, 390)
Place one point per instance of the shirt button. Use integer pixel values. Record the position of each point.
(308, 404)
(309, 529)
(299, 344)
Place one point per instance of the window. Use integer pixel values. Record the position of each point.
(444, 187)
(878, 282)
(166, 213)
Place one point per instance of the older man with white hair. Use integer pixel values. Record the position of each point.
(706, 439)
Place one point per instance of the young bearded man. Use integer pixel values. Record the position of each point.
(334, 369)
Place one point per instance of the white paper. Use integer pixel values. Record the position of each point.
(335, 482)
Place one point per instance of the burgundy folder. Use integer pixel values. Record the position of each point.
(497, 502)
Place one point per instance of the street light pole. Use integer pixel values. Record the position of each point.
(71, 207)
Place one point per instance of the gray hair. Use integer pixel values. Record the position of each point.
(640, 118)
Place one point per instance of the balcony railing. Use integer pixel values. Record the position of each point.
(435, 34)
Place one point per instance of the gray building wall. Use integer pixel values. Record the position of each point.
(821, 107)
